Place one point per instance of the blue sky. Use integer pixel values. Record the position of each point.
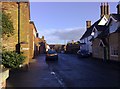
(61, 22)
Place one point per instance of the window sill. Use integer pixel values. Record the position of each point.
(114, 55)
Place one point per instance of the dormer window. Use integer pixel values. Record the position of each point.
(105, 19)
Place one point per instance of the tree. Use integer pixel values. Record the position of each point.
(6, 25)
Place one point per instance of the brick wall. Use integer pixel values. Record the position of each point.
(31, 39)
(11, 8)
(24, 28)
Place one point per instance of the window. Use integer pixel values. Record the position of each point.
(105, 19)
(114, 51)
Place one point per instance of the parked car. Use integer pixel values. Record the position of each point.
(83, 53)
(51, 55)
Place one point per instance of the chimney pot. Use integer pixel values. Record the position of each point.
(102, 9)
(118, 8)
(88, 24)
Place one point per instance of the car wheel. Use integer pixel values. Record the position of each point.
(46, 59)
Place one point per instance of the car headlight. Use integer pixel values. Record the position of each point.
(55, 54)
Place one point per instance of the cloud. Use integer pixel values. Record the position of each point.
(69, 34)
(62, 35)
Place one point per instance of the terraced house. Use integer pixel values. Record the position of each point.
(106, 44)
(92, 31)
(105, 35)
(114, 35)
(100, 41)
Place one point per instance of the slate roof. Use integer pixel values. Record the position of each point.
(89, 30)
(101, 27)
(104, 33)
(118, 30)
(116, 16)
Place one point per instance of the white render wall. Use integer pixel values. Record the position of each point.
(103, 21)
(88, 45)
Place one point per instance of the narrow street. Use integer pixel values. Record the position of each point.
(69, 71)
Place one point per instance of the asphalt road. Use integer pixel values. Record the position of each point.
(69, 71)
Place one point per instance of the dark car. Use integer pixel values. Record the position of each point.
(83, 53)
(51, 55)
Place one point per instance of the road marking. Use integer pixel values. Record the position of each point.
(58, 79)
(53, 73)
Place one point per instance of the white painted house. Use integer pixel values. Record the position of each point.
(93, 31)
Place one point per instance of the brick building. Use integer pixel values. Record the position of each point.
(57, 47)
(37, 45)
(20, 16)
(43, 44)
(72, 47)
(32, 33)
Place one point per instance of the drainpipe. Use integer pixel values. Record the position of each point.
(18, 45)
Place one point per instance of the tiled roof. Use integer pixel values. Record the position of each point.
(89, 30)
(116, 16)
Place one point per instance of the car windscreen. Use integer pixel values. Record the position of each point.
(51, 51)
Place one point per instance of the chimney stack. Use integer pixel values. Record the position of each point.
(37, 35)
(118, 8)
(43, 37)
(104, 9)
(88, 24)
(108, 9)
